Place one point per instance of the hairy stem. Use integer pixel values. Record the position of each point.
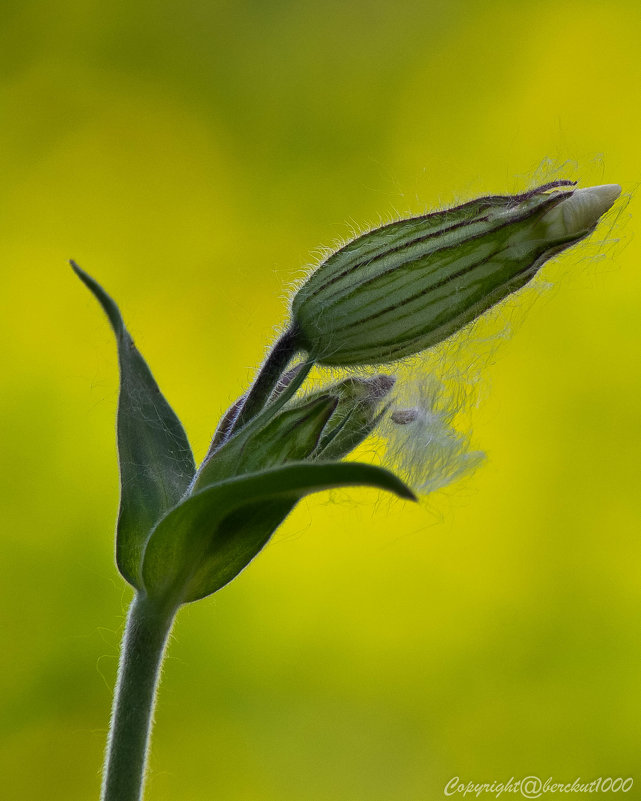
(143, 646)
(267, 379)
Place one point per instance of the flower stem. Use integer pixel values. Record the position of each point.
(143, 646)
(267, 379)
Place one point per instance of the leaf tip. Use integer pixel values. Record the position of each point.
(106, 301)
(82, 275)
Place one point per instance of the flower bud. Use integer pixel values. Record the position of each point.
(406, 286)
(325, 425)
(355, 417)
(290, 436)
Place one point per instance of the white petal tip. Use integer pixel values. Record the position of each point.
(599, 198)
(581, 210)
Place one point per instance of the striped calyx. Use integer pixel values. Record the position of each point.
(323, 426)
(406, 286)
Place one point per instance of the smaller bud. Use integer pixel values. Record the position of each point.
(356, 415)
(290, 436)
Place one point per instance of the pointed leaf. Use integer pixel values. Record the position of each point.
(156, 463)
(206, 541)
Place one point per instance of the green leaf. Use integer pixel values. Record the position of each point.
(205, 542)
(156, 463)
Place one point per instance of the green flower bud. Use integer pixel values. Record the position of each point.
(323, 426)
(404, 287)
(290, 436)
(356, 415)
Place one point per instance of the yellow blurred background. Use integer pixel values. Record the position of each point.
(193, 156)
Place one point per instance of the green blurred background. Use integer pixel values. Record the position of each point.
(193, 156)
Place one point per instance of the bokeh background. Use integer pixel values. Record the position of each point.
(193, 156)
